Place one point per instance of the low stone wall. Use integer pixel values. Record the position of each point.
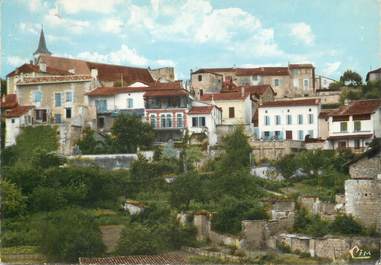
(108, 161)
(329, 247)
(206, 253)
(274, 150)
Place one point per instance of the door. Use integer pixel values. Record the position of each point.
(288, 135)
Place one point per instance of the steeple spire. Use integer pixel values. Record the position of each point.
(42, 49)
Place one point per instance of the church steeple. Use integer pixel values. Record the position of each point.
(42, 49)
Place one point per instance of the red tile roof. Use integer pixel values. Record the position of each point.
(106, 72)
(8, 101)
(214, 70)
(201, 110)
(236, 95)
(291, 103)
(53, 79)
(262, 71)
(358, 107)
(33, 68)
(351, 136)
(259, 89)
(17, 111)
(162, 259)
(300, 66)
(325, 113)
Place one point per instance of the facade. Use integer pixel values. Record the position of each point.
(205, 82)
(329, 96)
(203, 120)
(166, 109)
(374, 75)
(237, 107)
(355, 125)
(302, 80)
(56, 99)
(111, 101)
(164, 74)
(15, 119)
(289, 119)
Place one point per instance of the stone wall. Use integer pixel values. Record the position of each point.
(329, 247)
(363, 201)
(108, 161)
(274, 150)
(366, 168)
(314, 205)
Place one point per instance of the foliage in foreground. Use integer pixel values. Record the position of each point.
(69, 234)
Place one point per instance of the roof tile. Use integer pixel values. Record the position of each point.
(358, 107)
(291, 103)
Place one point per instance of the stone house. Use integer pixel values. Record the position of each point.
(329, 96)
(204, 82)
(203, 121)
(355, 125)
(323, 82)
(363, 190)
(163, 74)
(303, 80)
(374, 75)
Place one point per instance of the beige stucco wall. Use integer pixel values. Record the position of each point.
(299, 75)
(79, 103)
(323, 128)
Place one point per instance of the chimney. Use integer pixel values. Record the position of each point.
(42, 67)
(94, 73)
(242, 91)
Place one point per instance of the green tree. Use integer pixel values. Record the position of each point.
(186, 188)
(345, 225)
(351, 78)
(89, 145)
(12, 201)
(69, 234)
(129, 133)
(237, 151)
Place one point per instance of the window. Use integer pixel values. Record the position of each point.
(306, 84)
(130, 103)
(357, 143)
(153, 120)
(300, 135)
(37, 97)
(101, 105)
(276, 82)
(162, 119)
(278, 135)
(198, 122)
(231, 112)
(201, 92)
(13, 120)
(277, 120)
(169, 121)
(57, 118)
(267, 120)
(58, 97)
(311, 133)
(69, 96)
(343, 126)
(342, 145)
(266, 135)
(300, 119)
(199, 78)
(254, 77)
(357, 126)
(295, 71)
(180, 120)
(296, 82)
(310, 118)
(68, 113)
(101, 122)
(289, 119)
(41, 115)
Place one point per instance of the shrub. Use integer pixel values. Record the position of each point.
(12, 201)
(346, 225)
(69, 234)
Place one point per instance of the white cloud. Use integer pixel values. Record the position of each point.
(16, 61)
(124, 55)
(112, 25)
(28, 27)
(302, 32)
(331, 68)
(99, 6)
(165, 62)
(54, 19)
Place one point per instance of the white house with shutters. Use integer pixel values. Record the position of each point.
(289, 119)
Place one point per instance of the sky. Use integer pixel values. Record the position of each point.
(334, 35)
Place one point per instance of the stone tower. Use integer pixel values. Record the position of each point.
(41, 49)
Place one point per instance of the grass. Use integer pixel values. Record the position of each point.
(22, 255)
(304, 189)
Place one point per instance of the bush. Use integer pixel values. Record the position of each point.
(345, 225)
(69, 234)
(12, 201)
